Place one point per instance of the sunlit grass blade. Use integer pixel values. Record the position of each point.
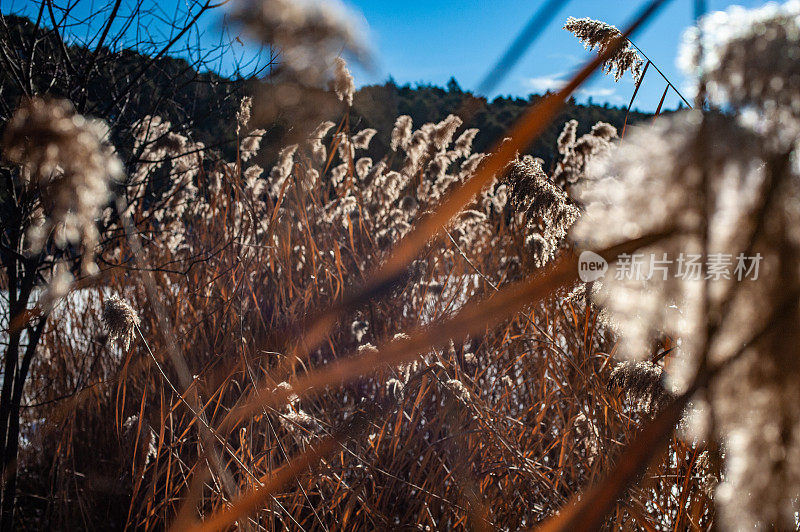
(470, 320)
(590, 510)
(525, 131)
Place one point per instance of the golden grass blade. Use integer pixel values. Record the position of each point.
(469, 320)
(254, 499)
(525, 131)
(589, 512)
(633, 98)
(661, 101)
(533, 29)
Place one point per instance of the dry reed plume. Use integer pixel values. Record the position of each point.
(249, 403)
(596, 34)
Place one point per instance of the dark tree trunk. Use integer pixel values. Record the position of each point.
(21, 276)
(9, 376)
(11, 448)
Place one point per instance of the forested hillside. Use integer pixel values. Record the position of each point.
(204, 102)
(378, 105)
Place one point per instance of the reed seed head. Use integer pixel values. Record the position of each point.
(120, 320)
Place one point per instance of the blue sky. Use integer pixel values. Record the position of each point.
(428, 41)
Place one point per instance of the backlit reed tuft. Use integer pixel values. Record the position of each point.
(544, 209)
(750, 62)
(243, 114)
(728, 186)
(642, 383)
(120, 320)
(65, 162)
(309, 34)
(343, 83)
(577, 152)
(458, 389)
(597, 34)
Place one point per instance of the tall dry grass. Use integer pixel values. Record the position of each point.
(342, 343)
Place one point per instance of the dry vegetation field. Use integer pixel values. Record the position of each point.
(206, 338)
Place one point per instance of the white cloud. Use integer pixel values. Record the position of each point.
(572, 59)
(598, 92)
(552, 82)
(556, 81)
(608, 94)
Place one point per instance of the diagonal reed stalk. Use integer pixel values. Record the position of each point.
(590, 511)
(468, 321)
(525, 131)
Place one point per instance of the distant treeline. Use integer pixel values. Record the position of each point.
(377, 106)
(206, 103)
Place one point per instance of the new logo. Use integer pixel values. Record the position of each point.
(591, 266)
